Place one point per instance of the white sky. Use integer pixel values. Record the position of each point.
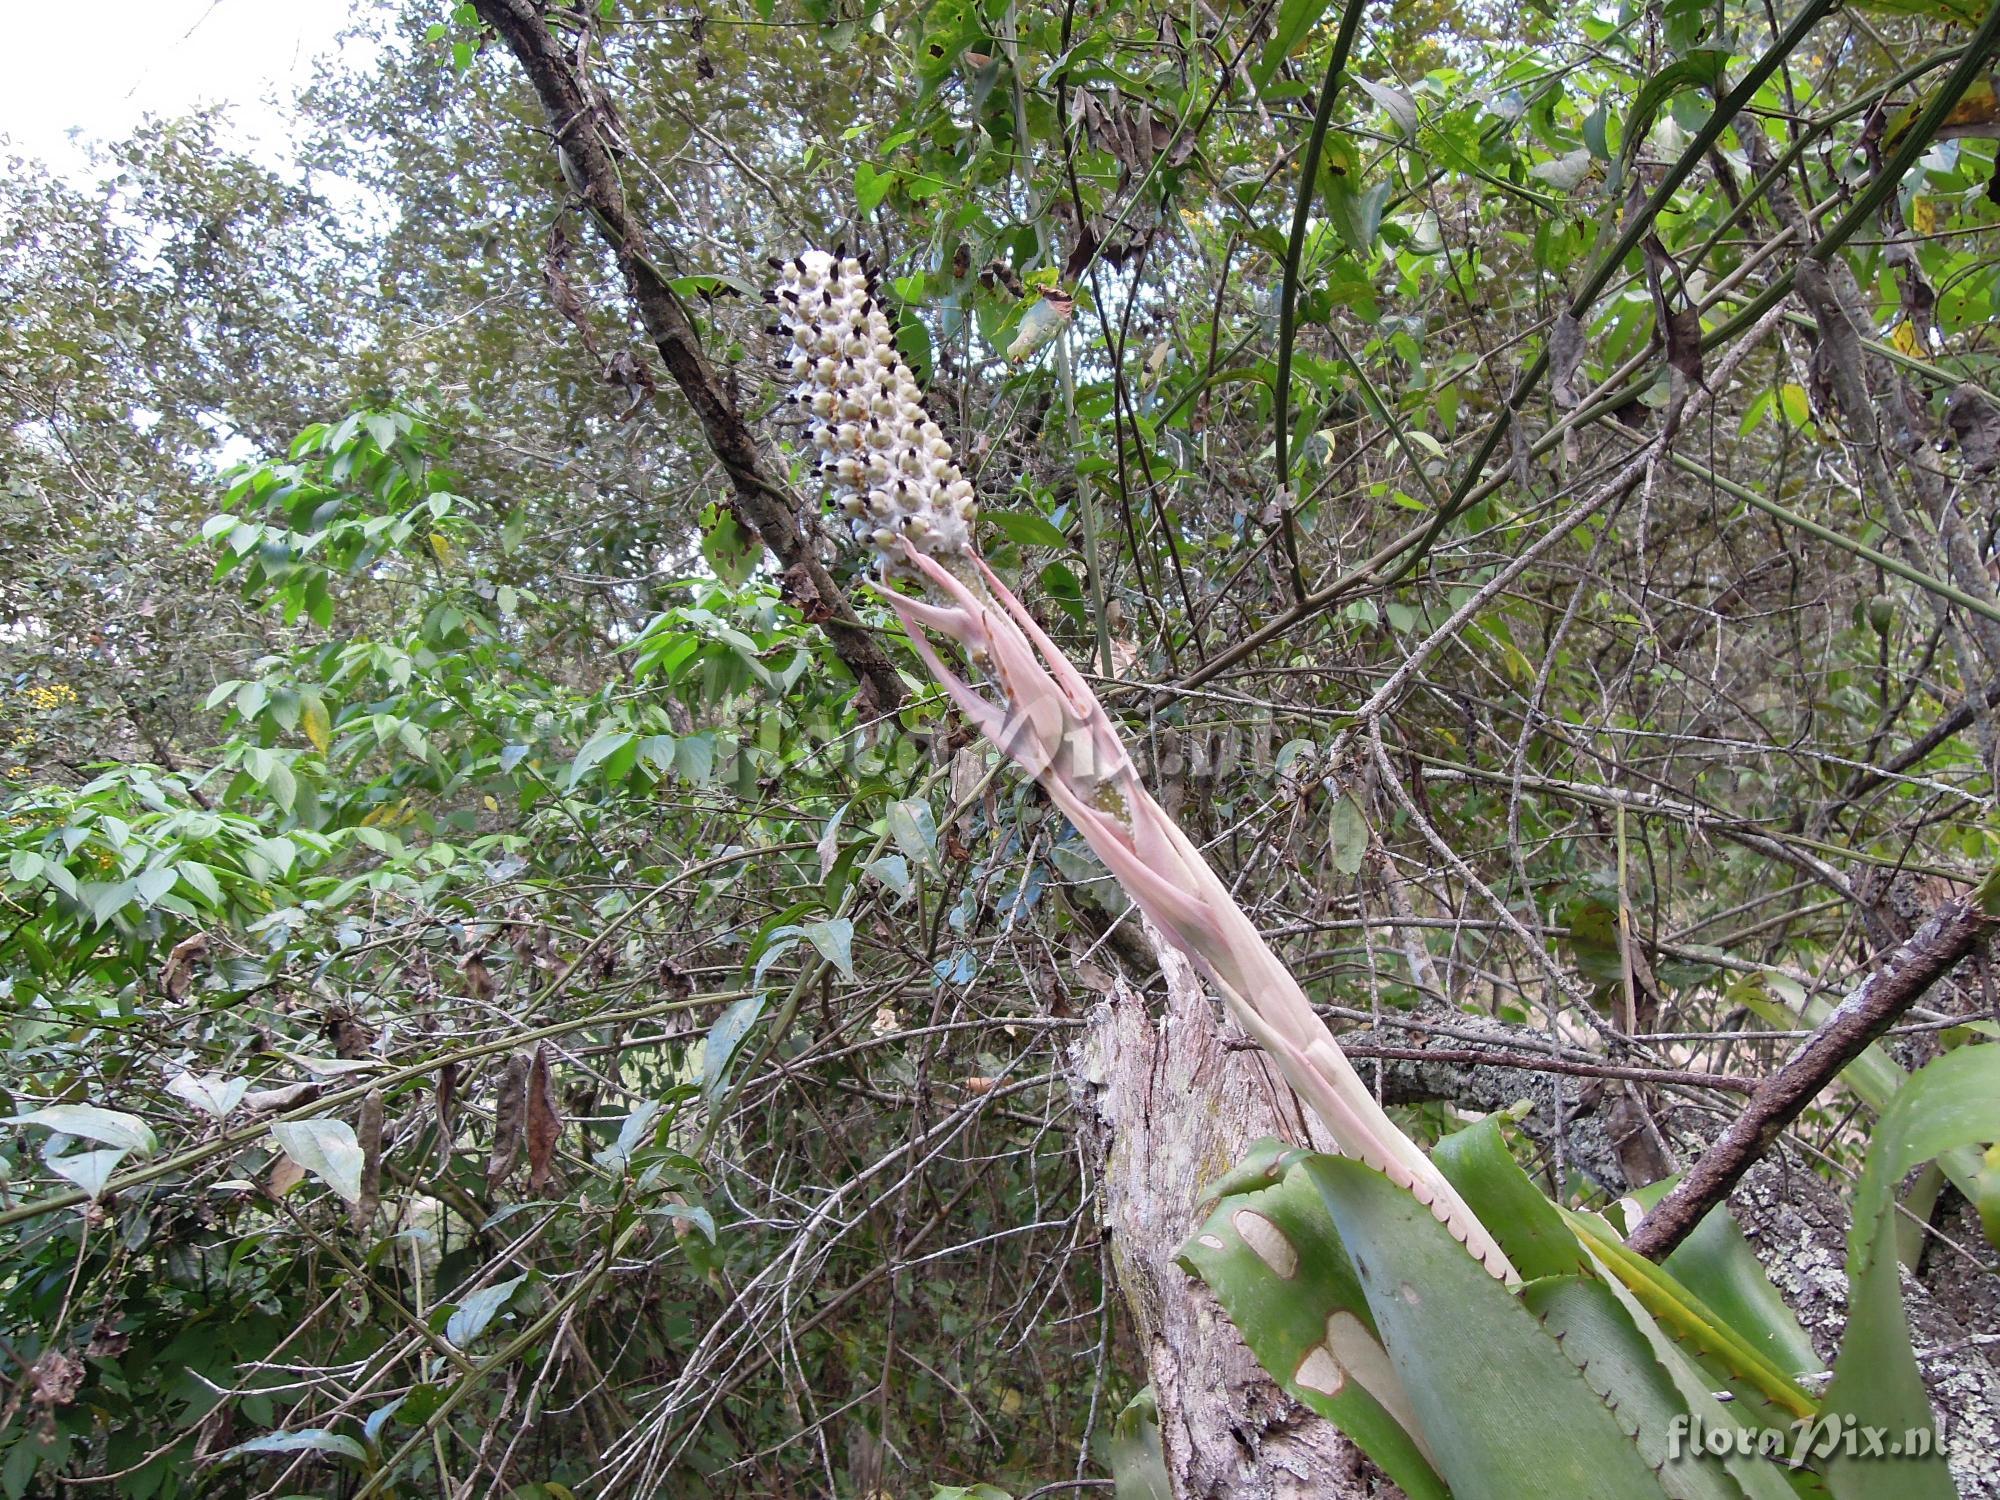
(97, 69)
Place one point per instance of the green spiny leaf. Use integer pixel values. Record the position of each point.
(1274, 1262)
(1506, 1414)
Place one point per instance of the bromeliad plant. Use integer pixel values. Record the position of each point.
(1473, 1337)
(892, 474)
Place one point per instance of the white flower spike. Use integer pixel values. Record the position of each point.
(888, 466)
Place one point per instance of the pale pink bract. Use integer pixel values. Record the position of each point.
(906, 496)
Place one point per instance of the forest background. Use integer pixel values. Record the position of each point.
(515, 981)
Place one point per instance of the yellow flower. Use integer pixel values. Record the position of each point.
(50, 696)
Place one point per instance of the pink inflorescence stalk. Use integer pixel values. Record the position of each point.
(893, 475)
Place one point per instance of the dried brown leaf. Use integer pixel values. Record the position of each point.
(352, 1041)
(1565, 359)
(1081, 254)
(630, 373)
(562, 291)
(510, 1111)
(1005, 275)
(1975, 422)
(270, 1101)
(285, 1175)
(447, 1100)
(1684, 344)
(178, 971)
(55, 1378)
(799, 590)
(478, 978)
(675, 982)
(1919, 297)
(1680, 328)
(544, 1124)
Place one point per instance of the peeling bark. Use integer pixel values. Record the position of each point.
(1167, 1106)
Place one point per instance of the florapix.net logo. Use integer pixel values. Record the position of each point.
(1808, 1440)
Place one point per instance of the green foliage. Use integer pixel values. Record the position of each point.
(1570, 1368)
(406, 752)
(1281, 1272)
(1951, 1103)
(1450, 1329)
(1598, 1358)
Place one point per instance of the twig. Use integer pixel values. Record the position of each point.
(1481, 1057)
(1336, 71)
(1954, 930)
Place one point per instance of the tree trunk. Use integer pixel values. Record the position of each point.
(1167, 1106)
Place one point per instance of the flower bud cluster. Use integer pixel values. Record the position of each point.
(887, 465)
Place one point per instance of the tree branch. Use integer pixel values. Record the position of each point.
(1954, 930)
(1538, 1062)
(765, 502)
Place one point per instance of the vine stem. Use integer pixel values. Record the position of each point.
(1288, 299)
